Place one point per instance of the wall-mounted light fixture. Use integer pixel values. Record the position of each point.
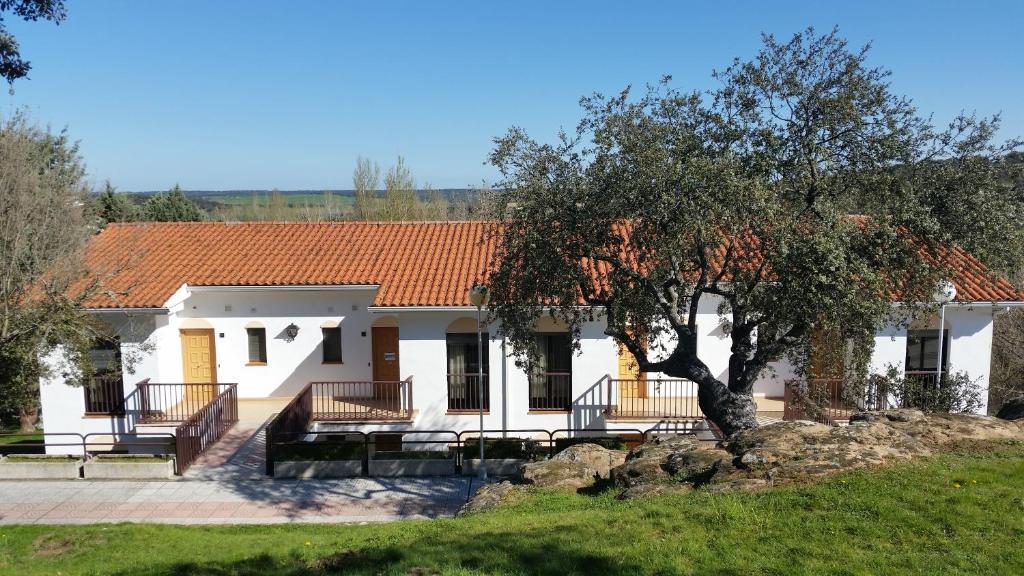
(291, 331)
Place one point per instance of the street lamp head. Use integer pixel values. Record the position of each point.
(291, 331)
(479, 295)
(945, 292)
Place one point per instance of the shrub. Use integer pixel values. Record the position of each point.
(413, 455)
(609, 442)
(319, 451)
(955, 393)
(501, 448)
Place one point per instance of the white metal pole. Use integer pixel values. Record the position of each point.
(942, 334)
(480, 387)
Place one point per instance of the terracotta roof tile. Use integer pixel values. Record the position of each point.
(415, 264)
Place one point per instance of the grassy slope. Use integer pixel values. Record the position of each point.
(907, 519)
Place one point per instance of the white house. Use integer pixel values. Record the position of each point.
(373, 321)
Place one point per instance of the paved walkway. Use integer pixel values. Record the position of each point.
(185, 501)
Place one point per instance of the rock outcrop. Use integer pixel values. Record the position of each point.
(491, 496)
(1012, 409)
(776, 454)
(788, 452)
(577, 466)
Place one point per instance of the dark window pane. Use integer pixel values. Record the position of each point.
(551, 379)
(257, 338)
(923, 350)
(332, 344)
(463, 372)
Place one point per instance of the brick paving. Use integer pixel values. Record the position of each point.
(185, 501)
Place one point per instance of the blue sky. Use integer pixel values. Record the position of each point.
(241, 94)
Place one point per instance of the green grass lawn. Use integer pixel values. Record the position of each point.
(957, 514)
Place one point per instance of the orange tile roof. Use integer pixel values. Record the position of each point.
(415, 263)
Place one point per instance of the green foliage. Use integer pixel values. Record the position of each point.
(171, 207)
(12, 66)
(115, 207)
(412, 455)
(399, 193)
(800, 196)
(955, 393)
(304, 451)
(514, 448)
(44, 224)
(609, 442)
(957, 514)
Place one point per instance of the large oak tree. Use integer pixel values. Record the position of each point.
(801, 194)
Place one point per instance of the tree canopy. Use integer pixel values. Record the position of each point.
(799, 195)
(12, 65)
(173, 206)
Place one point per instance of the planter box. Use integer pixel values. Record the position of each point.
(495, 467)
(147, 467)
(318, 469)
(45, 469)
(393, 468)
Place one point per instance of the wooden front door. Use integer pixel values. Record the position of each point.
(634, 382)
(199, 362)
(386, 366)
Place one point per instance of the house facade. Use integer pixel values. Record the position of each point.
(373, 321)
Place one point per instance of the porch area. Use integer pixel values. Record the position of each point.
(646, 399)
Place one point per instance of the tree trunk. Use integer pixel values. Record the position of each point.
(27, 420)
(732, 412)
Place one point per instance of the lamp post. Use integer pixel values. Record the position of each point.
(945, 292)
(479, 296)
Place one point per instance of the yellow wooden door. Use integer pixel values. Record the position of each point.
(633, 382)
(199, 363)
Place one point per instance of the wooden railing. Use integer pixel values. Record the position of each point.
(296, 417)
(205, 427)
(158, 402)
(340, 401)
(104, 395)
(652, 398)
(550, 391)
(464, 392)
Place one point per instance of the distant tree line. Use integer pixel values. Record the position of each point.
(398, 200)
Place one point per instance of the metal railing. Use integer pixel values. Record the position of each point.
(205, 427)
(362, 400)
(925, 378)
(652, 398)
(451, 444)
(829, 401)
(171, 402)
(85, 445)
(464, 392)
(550, 391)
(104, 395)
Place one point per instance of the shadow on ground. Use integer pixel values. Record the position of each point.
(535, 551)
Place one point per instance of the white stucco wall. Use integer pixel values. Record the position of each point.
(422, 355)
(970, 345)
(291, 364)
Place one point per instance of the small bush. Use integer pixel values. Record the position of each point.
(501, 448)
(955, 393)
(413, 455)
(319, 451)
(609, 442)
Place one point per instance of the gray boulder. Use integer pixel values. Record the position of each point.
(578, 466)
(1012, 409)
